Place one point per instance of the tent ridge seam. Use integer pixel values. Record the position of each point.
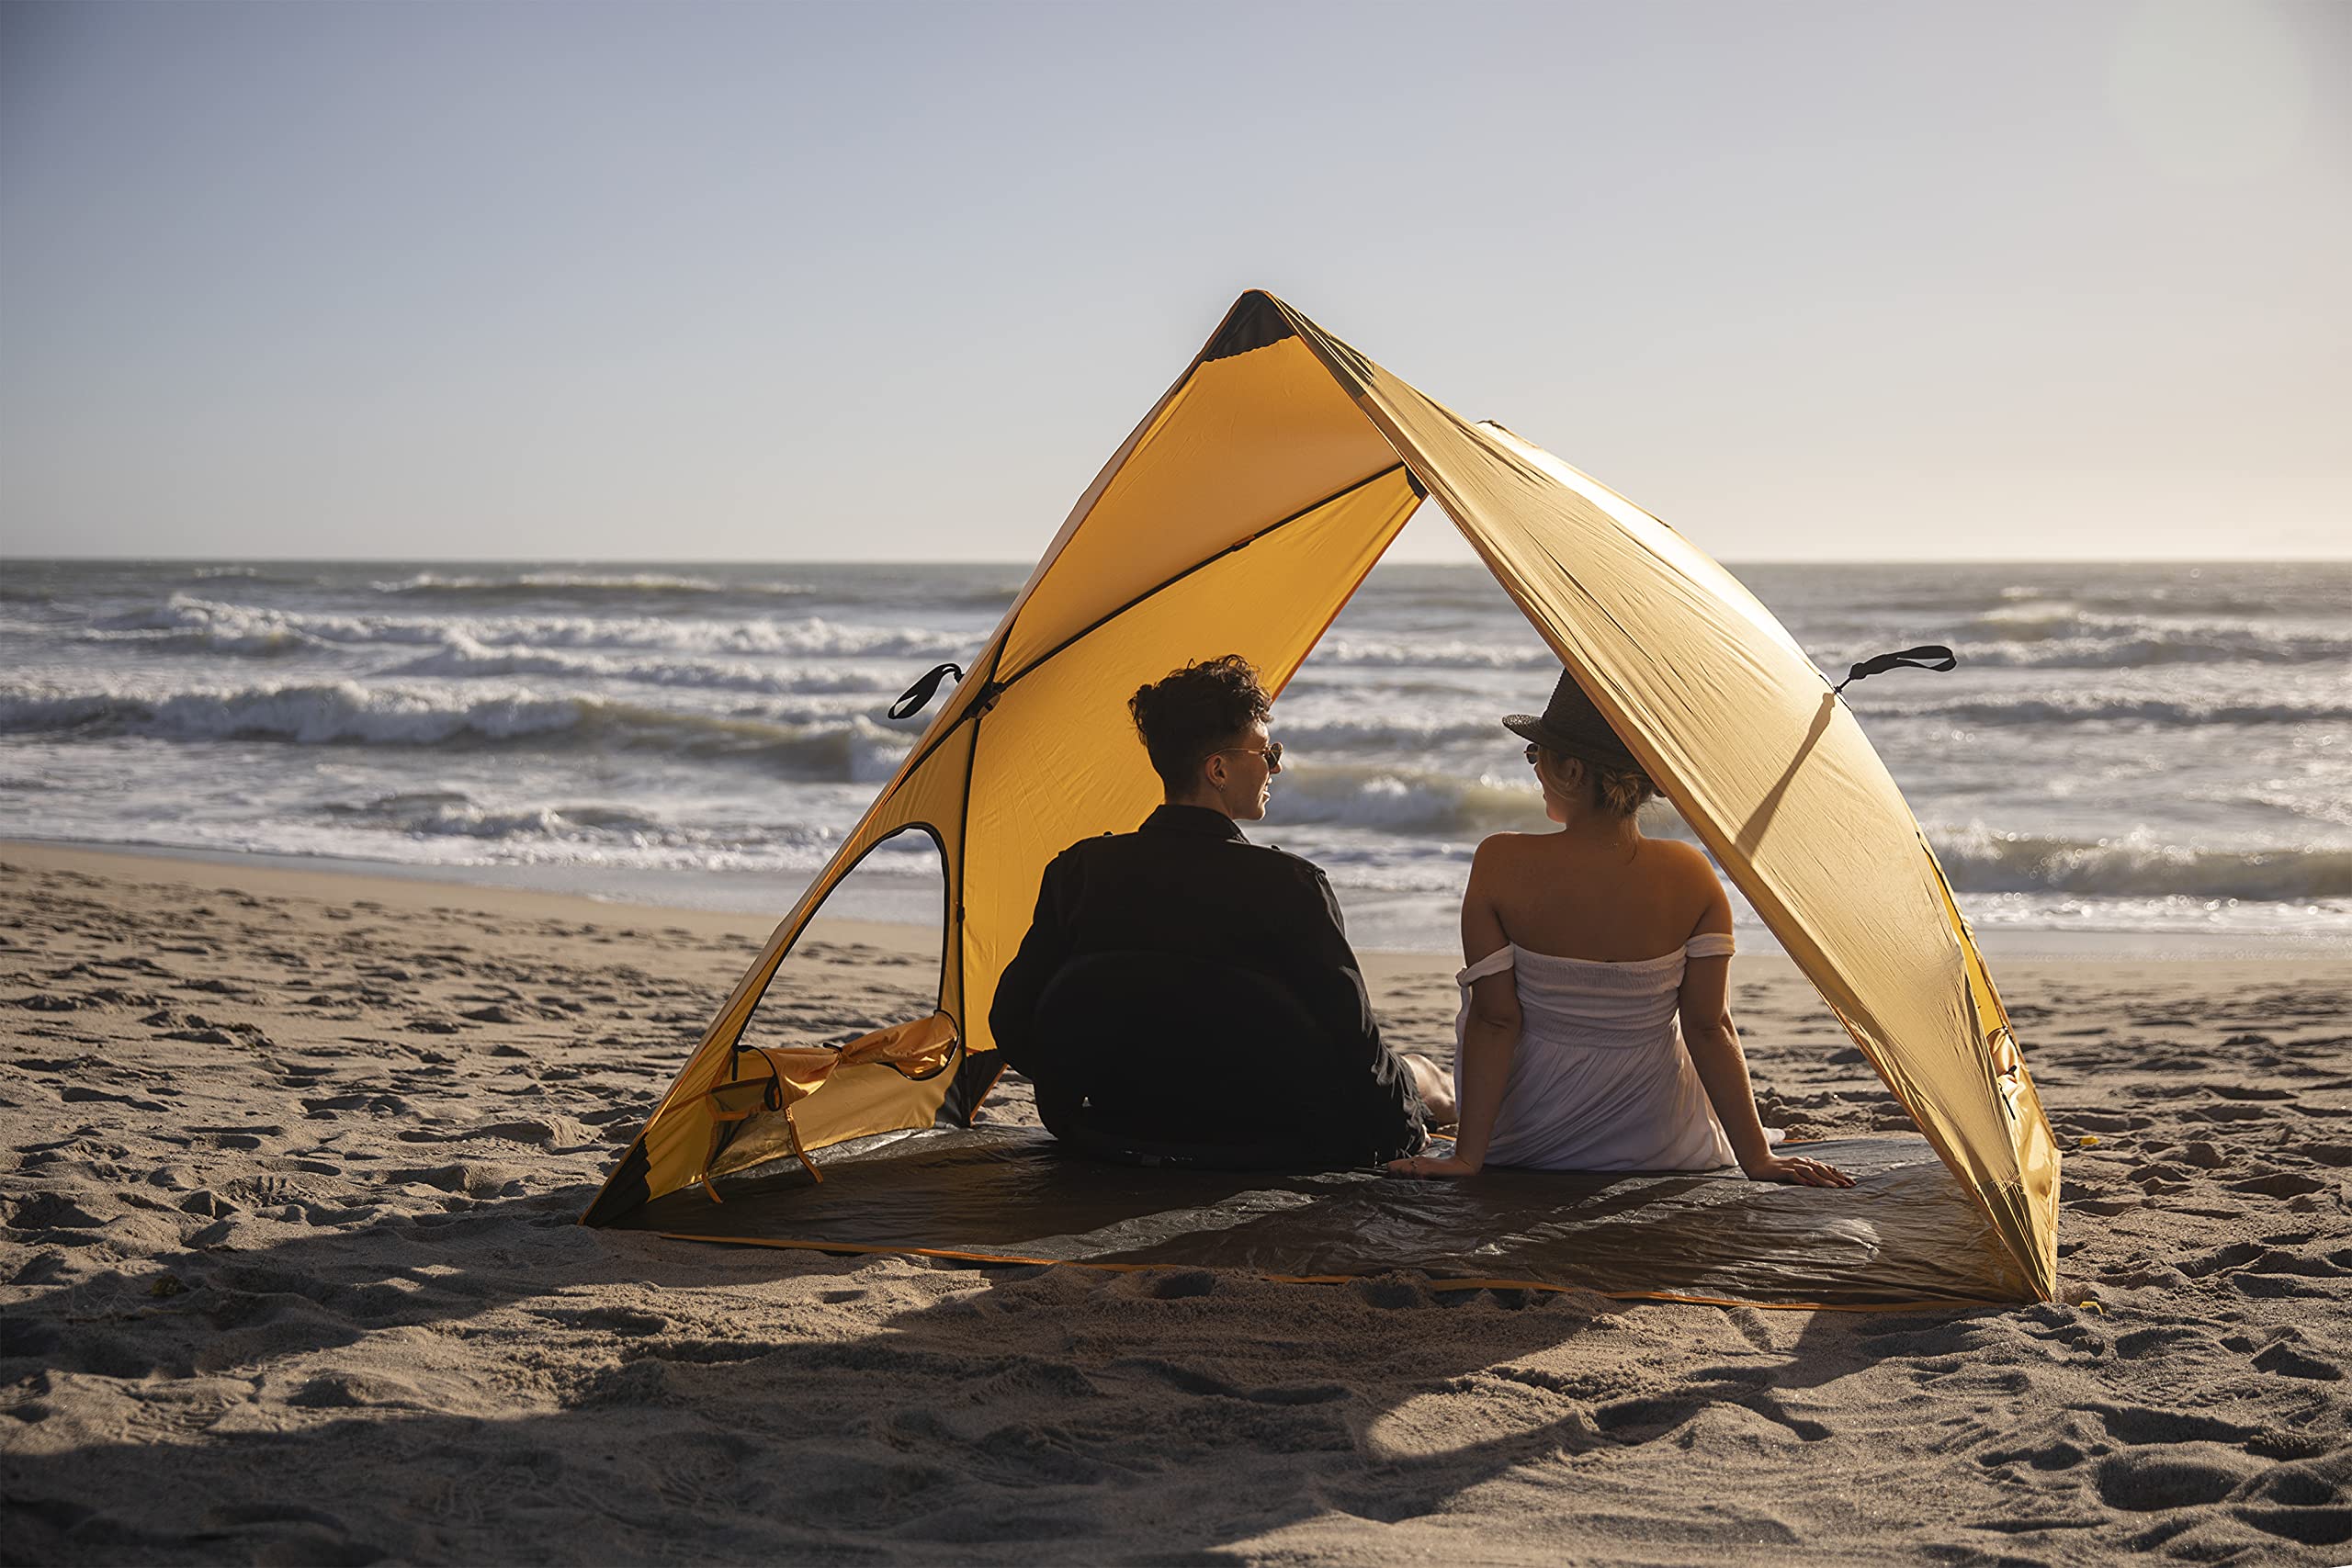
(1241, 544)
(993, 689)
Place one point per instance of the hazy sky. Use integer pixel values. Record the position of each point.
(799, 281)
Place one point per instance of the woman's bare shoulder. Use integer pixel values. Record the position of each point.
(1687, 867)
(1502, 846)
(1695, 880)
(1684, 859)
(1502, 858)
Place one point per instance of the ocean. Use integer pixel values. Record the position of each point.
(2151, 757)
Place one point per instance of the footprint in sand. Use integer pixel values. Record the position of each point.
(2281, 1184)
(2283, 1360)
(83, 1094)
(613, 1319)
(374, 1102)
(245, 1138)
(2142, 1480)
(40, 1001)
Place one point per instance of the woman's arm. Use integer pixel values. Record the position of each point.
(1490, 1035)
(1713, 1044)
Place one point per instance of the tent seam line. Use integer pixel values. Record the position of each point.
(1076, 638)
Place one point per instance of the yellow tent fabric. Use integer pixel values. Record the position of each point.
(1238, 517)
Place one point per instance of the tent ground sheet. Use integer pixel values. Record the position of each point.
(1905, 1234)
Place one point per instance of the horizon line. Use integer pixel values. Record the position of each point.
(2342, 559)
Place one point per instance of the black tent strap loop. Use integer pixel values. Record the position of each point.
(918, 697)
(1934, 655)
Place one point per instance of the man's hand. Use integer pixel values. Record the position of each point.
(1433, 1166)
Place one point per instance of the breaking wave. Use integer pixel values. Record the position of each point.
(2093, 708)
(447, 827)
(1980, 861)
(1401, 800)
(851, 750)
(2065, 637)
(188, 622)
(197, 625)
(257, 576)
(2144, 651)
(582, 585)
(1393, 736)
(465, 658)
(450, 814)
(1445, 653)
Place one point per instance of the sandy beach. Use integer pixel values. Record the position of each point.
(292, 1276)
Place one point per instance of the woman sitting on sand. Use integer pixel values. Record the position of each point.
(1585, 947)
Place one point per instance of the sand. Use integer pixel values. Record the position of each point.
(293, 1161)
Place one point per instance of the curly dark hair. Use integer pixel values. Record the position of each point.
(1184, 717)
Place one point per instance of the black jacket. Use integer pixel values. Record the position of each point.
(1187, 883)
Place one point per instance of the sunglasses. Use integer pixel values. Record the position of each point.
(1272, 753)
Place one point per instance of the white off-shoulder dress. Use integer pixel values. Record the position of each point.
(1600, 1079)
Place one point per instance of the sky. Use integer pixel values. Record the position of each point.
(878, 281)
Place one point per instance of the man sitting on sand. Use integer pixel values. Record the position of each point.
(1183, 988)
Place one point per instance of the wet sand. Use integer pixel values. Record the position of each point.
(291, 1276)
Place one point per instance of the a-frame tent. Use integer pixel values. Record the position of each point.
(1240, 516)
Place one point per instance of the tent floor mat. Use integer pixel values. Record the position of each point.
(1906, 1235)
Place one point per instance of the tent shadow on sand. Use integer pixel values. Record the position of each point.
(1038, 1403)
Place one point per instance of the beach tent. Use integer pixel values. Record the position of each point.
(1238, 517)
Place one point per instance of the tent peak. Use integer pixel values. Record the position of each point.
(1255, 321)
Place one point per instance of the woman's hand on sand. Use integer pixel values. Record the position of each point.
(1797, 1171)
(1434, 1167)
